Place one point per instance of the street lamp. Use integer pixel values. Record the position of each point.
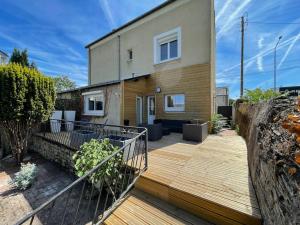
(275, 66)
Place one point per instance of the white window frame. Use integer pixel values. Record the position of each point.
(95, 94)
(173, 109)
(163, 38)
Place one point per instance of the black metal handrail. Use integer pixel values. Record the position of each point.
(86, 202)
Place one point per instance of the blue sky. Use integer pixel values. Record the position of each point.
(55, 33)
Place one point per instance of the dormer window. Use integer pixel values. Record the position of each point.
(167, 46)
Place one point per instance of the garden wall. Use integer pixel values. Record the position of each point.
(271, 156)
(53, 151)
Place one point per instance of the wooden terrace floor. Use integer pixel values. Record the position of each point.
(210, 179)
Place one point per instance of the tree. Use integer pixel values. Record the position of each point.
(63, 83)
(27, 97)
(259, 95)
(21, 57)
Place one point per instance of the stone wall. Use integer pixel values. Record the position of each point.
(271, 156)
(53, 151)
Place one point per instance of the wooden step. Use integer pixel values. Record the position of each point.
(202, 207)
(140, 208)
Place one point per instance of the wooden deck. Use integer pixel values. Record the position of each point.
(210, 180)
(140, 208)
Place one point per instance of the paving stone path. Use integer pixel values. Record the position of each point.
(15, 204)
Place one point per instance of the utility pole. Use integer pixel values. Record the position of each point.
(242, 56)
(275, 63)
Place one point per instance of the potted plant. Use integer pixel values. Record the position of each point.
(121, 141)
(55, 121)
(69, 117)
(91, 154)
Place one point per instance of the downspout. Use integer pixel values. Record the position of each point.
(89, 66)
(119, 54)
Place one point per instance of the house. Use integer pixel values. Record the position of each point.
(3, 57)
(160, 65)
(222, 96)
(293, 90)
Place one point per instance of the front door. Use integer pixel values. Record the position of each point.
(139, 111)
(151, 109)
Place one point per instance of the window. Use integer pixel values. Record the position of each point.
(130, 55)
(167, 46)
(174, 103)
(94, 103)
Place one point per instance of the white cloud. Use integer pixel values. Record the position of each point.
(264, 52)
(223, 10)
(232, 18)
(259, 63)
(289, 50)
(260, 42)
(108, 13)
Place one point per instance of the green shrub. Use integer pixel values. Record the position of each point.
(91, 154)
(25, 177)
(27, 98)
(258, 95)
(217, 123)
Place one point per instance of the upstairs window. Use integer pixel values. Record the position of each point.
(130, 55)
(175, 103)
(167, 46)
(94, 103)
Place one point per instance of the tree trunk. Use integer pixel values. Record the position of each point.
(18, 134)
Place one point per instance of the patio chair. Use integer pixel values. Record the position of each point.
(155, 131)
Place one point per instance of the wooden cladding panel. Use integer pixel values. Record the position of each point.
(193, 81)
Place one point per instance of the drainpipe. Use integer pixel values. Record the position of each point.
(119, 53)
(89, 66)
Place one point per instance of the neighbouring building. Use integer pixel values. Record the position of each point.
(161, 65)
(222, 96)
(293, 90)
(3, 57)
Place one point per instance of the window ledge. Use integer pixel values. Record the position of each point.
(174, 111)
(167, 61)
(91, 114)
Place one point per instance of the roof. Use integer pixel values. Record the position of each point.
(102, 84)
(90, 86)
(3, 53)
(137, 77)
(168, 2)
(290, 88)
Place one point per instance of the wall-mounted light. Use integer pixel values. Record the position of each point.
(158, 90)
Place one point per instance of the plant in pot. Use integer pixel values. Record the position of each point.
(91, 154)
(69, 117)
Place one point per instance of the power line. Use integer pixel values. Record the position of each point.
(265, 65)
(260, 72)
(260, 22)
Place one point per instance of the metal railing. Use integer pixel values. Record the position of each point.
(74, 133)
(86, 202)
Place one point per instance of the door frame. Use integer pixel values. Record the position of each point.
(148, 107)
(141, 109)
